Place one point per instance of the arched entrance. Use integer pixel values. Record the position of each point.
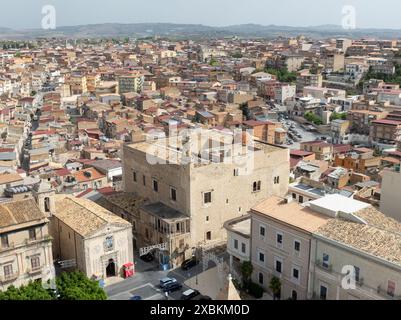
(111, 269)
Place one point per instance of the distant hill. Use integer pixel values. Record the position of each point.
(195, 30)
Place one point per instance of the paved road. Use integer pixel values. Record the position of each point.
(145, 282)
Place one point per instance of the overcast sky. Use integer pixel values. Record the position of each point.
(369, 13)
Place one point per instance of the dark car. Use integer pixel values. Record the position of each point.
(188, 264)
(172, 286)
(189, 294)
(136, 298)
(147, 257)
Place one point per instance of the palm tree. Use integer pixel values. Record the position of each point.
(275, 287)
(246, 271)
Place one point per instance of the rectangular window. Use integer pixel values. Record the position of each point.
(279, 239)
(243, 247)
(144, 180)
(294, 196)
(295, 273)
(357, 273)
(134, 176)
(4, 241)
(326, 259)
(297, 246)
(276, 180)
(173, 194)
(261, 257)
(236, 172)
(32, 234)
(301, 199)
(235, 244)
(35, 263)
(257, 186)
(155, 185)
(262, 231)
(207, 197)
(323, 292)
(209, 235)
(8, 271)
(278, 266)
(260, 278)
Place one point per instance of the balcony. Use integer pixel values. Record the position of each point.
(9, 277)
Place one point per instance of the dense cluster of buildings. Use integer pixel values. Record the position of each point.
(108, 149)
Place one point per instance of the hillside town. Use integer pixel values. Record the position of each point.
(210, 169)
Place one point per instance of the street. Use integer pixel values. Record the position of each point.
(145, 282)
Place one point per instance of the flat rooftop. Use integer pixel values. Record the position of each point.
(338, 203)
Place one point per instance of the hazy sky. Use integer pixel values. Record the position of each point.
(369, 13)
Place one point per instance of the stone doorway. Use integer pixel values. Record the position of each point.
(111, 269)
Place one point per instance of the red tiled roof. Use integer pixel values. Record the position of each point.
(62, 172)
(386, 121)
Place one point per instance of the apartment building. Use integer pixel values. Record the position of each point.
(349, 260)
(78, 84)
(185, 187)
(328, 249)
(130, 83)
(339, 131)
(322, 149)
(26, 246)
(281, 245)
(385, 131)
(307, 79)
(360, 120)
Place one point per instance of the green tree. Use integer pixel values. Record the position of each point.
(311, 117)
(282, 74)
(246, 271)
(70, 286)
(275, 287)
(32, 291)
(76, 286)
(336, 115)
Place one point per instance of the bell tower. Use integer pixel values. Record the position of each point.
(44, 195)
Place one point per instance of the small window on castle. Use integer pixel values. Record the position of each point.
(47, 204)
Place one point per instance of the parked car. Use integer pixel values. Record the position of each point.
(172, 286)
(189, 294)
(147, 257)
(188, 264)
(136, 298)
(165, 281)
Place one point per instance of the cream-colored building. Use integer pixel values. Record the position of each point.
(25, 246)
(332, 248)
(369, 244)
(98, 241)
(390, 200)
(206, 185)
(238, 240)
(281, 245)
